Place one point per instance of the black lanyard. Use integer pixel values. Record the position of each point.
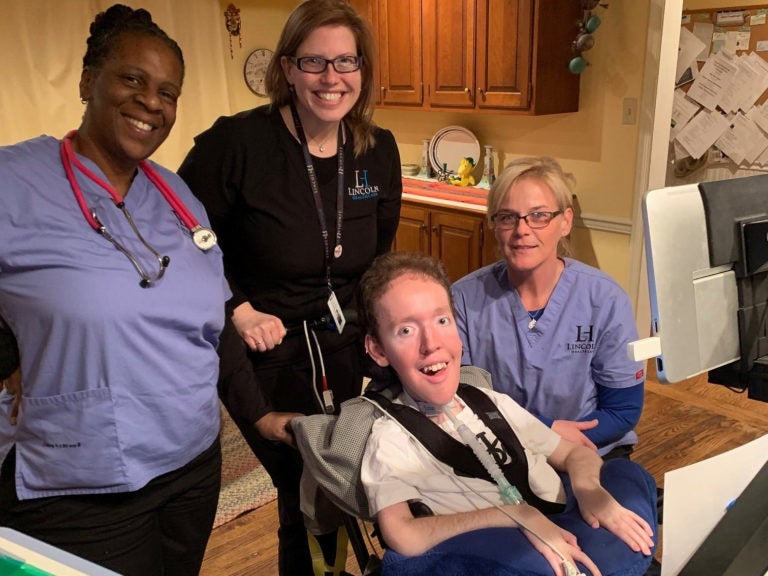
(316, 192)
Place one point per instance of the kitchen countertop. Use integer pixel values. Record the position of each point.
(439, 193)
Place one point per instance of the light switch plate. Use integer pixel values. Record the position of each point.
(629, 111)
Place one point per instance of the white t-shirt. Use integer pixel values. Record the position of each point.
(397, 468)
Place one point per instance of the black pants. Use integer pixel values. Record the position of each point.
(159, 530)
(623, 451)
(289, 388)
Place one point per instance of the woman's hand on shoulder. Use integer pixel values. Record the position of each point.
(574, 431)
(261, 332)
(276, 426)
(12, 385)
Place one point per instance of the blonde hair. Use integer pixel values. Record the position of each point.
(307, 17)
(544, 169)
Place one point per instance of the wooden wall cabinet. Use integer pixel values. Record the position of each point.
(459, 238)
(490, 55)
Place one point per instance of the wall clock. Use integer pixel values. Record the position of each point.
(255, 70)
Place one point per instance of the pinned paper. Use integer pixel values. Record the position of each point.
(683, 109)
(703, 31)
(713, 80)
(689, 49)
(701, 132)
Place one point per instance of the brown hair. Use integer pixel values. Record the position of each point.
(544, 169)
(308, 16)
(383, 271)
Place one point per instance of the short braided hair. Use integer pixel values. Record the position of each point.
(117, 20)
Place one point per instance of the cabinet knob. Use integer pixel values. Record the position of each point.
(434, 229)
(468, 91)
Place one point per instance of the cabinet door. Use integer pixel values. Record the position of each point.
(457, 240)
(369, 10)
(504, 53)
(555, 90)
(400, 51)
(491, 251)
(413, 231)
(449, 52)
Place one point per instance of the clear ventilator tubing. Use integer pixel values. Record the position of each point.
(509, 494)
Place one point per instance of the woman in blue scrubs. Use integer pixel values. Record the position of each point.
(552, 330)
(114, 290)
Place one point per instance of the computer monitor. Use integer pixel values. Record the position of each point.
(707, 256)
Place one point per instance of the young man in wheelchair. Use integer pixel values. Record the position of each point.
(542, 505)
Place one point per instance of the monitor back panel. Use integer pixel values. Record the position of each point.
(693, 305)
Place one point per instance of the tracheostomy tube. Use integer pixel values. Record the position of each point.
(509, 493)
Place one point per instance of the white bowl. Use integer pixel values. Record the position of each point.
(409, 169)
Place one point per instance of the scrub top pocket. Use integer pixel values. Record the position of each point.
(69, 442)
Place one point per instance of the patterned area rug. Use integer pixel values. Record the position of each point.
(245, 484)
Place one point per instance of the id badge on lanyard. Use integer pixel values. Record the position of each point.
(336, 312)
(333, 302)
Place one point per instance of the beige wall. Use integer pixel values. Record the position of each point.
(722, 4)
(262, 22)
(592, 143)
(42, 43)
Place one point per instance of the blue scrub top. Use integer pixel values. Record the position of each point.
(119, 381)
(578, 344)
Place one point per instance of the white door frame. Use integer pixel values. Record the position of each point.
(653, 139)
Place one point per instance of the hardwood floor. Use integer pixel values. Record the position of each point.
(682, 423)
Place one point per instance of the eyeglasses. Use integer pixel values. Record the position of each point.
(317, 65)
(535, 220)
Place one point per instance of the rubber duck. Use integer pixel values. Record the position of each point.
(463, 176)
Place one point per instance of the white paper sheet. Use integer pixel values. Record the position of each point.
(702, 131)
(696, 497)
(713, 80)
(743, 141)
(703, 31)
(683, 109)
(690, 47)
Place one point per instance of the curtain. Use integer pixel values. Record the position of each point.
(42, 43)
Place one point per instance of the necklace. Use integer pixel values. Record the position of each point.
(534, 315)
(337, 250)
(321, 146)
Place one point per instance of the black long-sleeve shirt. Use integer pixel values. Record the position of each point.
(249, 172)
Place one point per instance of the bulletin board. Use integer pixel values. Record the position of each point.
(724, 135)
(754, 29)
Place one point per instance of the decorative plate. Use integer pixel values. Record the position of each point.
(450, 145)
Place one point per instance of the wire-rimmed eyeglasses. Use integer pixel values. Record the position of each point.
(317, 65)
(535, 220)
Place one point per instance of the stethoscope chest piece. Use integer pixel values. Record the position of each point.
(204, 238)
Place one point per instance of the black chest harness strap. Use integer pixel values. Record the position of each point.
(459, 456)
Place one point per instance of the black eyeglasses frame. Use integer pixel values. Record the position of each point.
(517, 217)
(298, 62)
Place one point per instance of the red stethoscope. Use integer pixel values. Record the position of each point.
(204, 238)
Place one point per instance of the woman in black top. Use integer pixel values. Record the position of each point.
(303, 194)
